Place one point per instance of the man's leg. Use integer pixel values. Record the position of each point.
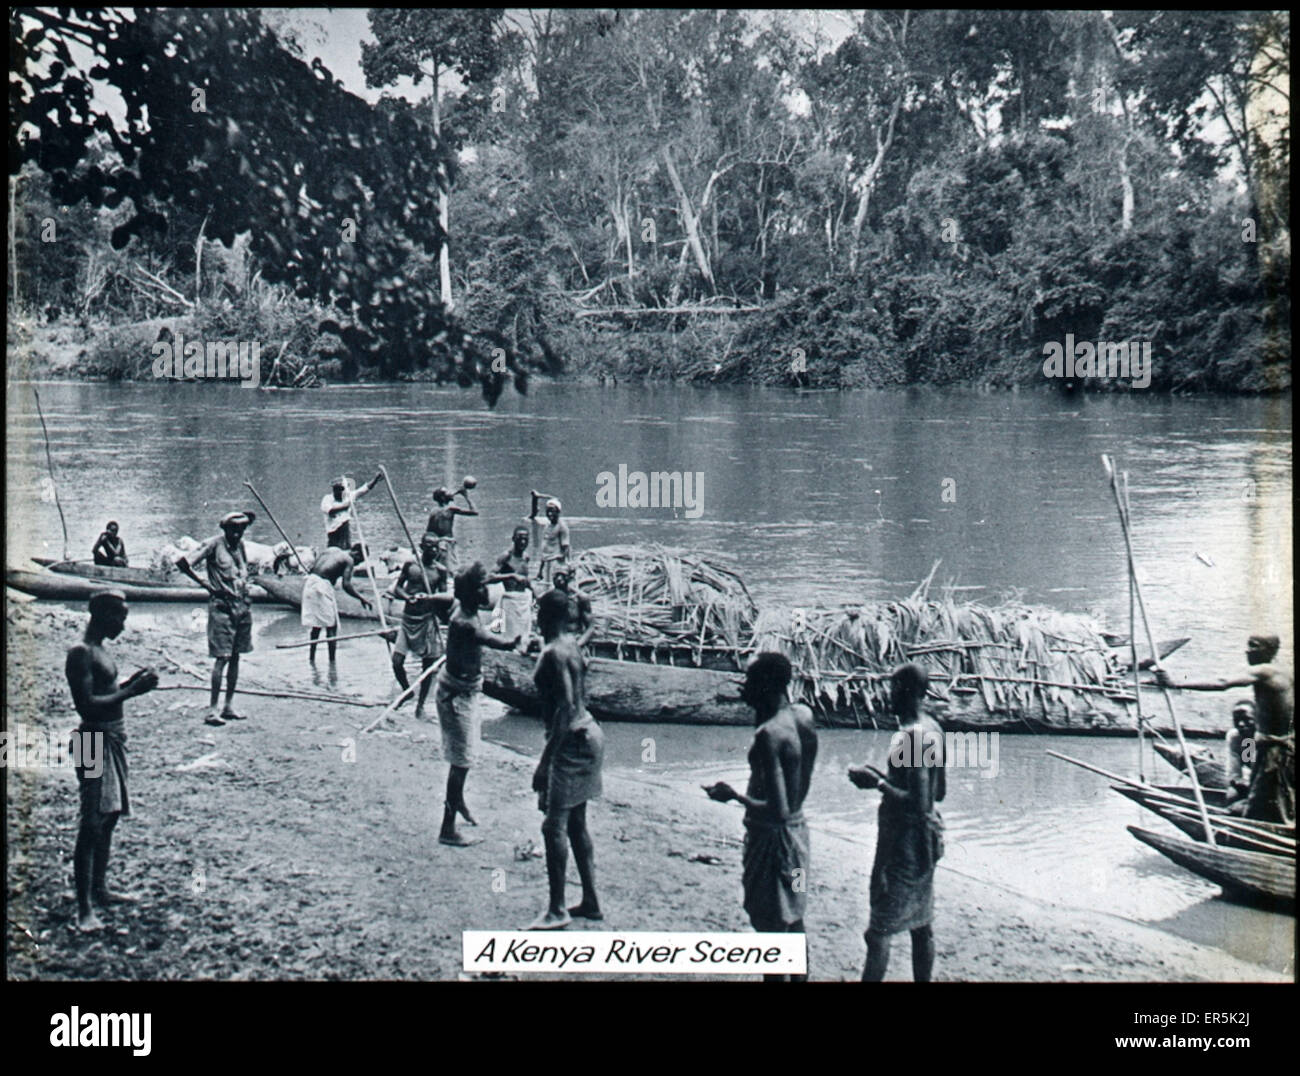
(218, 668)
(399, 670)
(555, 831)
(454, 804)
(922, 954)
(585, 856)
(311, 650)
(232, 678)
(99, 890)
(331, 637)
(425, 684)
(877, 958)
(83, 870)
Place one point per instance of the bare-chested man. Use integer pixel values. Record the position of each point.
(1272, 780)
(781, 760)
(419, 635)
(230, 617)
(109, 548)
(555, 539)
(517, 601)
(98, 697)
(442, 522)
(568, 773)
(581, 622)
(909, 835)
(320, 609)
(459, 683)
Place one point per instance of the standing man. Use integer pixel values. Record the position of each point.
(442, 522)
(781, 759)
(568, 773)
(459, 683)
(581, 623)
(909, 834)
(230, 617)
(555, 539)
(337, 508)
(98, 697)
(320, 609)
(1272, 779)
(419, 634)
(517, 601)
(109, 549)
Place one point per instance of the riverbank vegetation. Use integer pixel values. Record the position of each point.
(875, 199)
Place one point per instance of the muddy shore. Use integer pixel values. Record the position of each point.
(291, 846)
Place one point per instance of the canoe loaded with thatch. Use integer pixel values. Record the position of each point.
(664, 618)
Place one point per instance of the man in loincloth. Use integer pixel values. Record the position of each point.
(442, 522)
(320, 609)
(909, 836)
(517, 601)
(1240, 744)
(98, 697)
(568, 773)
(230, 617)
(459, 683)
(337, 509)
(419, 635)
(109, 549)
(1271, 797)
(555, 539)
(581, 623)
(781, 758)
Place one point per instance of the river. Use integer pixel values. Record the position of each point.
(818, 498)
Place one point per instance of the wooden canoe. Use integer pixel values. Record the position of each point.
(1209, 770)
(287, 590)
(1271, 838)
(63, 586)
(1253, 875)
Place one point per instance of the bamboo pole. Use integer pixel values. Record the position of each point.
(419, 560)
(292, 548)
(1155, 654)
(374, 583)
(336, 639)
(1132, 645)
(392, 706)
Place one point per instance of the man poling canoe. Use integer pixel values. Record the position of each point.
(320, 609)
(337, 509)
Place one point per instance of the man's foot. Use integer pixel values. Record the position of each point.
(105, 899)
(457, 840)
(548, 920)
(419, 712)
(586, 911)
(89, 921)
(463, 811)
(230, 715)
(213, 719)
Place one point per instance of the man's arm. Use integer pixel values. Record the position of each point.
(494, 641)
(1248, 678)
(187, 564)
(563, 536)
(774, 779)
(363, 490)
(100, 544)
(81, 680)
(122, 546)
(348, 588)
(458, 510)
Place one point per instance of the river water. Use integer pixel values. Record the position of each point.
(818, 498)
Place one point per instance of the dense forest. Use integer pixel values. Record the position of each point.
(871, 199)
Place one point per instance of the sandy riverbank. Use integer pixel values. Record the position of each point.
(284, 855)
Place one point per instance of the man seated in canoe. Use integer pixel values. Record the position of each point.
(581, 623)
(320, 609)
(568, 773)
(230, 616)
(1271, 797)
(1240, 743)
(909, 834)
(442, 522)
(110, 550)
(418, 635)
(98, 697)
(781, 759)
(517, 601)
(459, 684)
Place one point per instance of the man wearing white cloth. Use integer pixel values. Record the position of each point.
(320, 609)
(517, 601)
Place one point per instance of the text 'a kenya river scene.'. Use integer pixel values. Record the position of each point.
(645, 495)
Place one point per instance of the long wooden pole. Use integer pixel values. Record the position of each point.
(1155, 654)
(274, 694)
(1132, 645)
(374, 583)
(388, 485)
(337, 638)
(293, 548)
(407, 693)
(49, 461)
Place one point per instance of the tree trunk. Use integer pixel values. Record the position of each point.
(444, 255)
(869, 182)
(689, 221)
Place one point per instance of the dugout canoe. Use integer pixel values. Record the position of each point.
(66, 586)
(1254, 876)
(287, 590)
(1209, 770)
(1271, 838)
(675, 694)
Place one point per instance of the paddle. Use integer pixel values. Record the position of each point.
(1155, 654)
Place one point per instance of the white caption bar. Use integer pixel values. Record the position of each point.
(657, 952)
